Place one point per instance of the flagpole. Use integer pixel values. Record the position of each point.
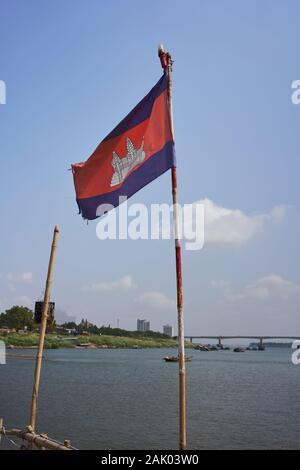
(166, 63)
(39, 355)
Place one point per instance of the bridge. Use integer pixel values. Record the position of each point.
(261, 339)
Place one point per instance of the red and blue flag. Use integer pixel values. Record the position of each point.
(138, 150)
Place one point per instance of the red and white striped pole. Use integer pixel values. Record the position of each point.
(166, 63)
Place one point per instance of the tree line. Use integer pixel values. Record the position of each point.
(18, 317)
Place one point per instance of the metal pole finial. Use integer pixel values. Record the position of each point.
(162, 56)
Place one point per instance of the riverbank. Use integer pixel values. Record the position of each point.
(91, 342)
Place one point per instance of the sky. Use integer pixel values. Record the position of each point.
(73, 70)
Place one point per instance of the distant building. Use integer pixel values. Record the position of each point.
(168, 330)
(69, 331)
(140, 325)
(22, 331)
(143, 325)
(6, 330)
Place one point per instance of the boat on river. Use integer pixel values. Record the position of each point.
(176, 359)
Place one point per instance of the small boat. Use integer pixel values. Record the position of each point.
(175, 359)
(206, 348)
(202, 347)
(239, 350)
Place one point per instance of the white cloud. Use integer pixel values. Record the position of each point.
(124, 284)
(203, 222)
(221, 283)
(26, 277)
(223, 226)
(267, 305)
(15, 287)
(269, 287)
(12, 282)
(155, 300)
(11, 287)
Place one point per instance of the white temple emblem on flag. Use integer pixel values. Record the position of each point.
(122, 166)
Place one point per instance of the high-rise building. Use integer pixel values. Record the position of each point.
(143, 325)
(168, 330)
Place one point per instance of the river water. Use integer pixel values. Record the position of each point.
(128, 399)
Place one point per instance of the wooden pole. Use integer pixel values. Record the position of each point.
(40, 440)
(39, 355)
(166, 63)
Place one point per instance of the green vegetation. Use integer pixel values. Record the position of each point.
(86, 326)
(103, 341)
(29, 340)
(20, 330)
(17, 317)
(130, 342)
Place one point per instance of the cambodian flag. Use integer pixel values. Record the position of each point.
(136, 152)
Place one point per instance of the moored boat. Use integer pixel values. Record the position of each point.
(206, 348)
(175, 359)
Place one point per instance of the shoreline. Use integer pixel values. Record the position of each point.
(30, 341)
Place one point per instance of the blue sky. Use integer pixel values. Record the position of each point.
(73, 70)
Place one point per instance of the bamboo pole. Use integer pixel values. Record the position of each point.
(166, 63)
(39, 355)
(39, 440)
